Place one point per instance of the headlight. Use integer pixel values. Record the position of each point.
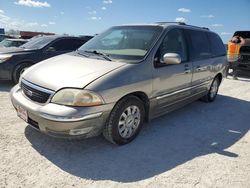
(4, 58)
(77, 97)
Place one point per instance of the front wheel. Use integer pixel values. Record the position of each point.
(125, 121)
(213, 91)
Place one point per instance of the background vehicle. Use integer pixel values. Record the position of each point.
(120, 78)
(12, 43)
(244, 61)
(13, 61)
(86, 37)
(3, 36)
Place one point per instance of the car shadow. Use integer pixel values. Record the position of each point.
(171, 140)
(5, 86)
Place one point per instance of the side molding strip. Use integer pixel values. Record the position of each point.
(182, 90)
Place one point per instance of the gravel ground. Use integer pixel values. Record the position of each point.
(200, 145)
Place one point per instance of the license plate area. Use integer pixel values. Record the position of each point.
(22, 113)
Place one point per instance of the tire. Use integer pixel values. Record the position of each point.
(213, 91)
(118, 127)
(19, 69)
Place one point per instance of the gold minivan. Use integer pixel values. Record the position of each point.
(119, 79)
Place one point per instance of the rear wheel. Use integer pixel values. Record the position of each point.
(125, 121)
(213, 91)
(18, 71)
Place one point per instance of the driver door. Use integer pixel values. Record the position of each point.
(171, 82)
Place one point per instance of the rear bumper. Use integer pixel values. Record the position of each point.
(62, 121)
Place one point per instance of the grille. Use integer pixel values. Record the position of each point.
(35, 93)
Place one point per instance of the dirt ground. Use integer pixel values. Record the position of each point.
(200, 145)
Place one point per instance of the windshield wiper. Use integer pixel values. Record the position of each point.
(79, 53)
(105, 56)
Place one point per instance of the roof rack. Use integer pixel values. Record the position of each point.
(198, 27)
(182, 23)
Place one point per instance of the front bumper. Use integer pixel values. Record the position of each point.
(62, 121)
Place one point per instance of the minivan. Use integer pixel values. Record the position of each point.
(121, 78)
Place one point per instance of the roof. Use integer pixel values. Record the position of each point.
(167, 24)
(181, 24)
(56, 36)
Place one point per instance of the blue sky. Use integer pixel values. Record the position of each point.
(93, 16)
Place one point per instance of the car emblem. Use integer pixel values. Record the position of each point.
(29, 93)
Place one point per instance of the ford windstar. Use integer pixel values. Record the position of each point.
(121, 78)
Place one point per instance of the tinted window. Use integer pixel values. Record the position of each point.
(217, 46)
(38, 42)
(67, 44)
(174, 42)
(200, 48)
(76, 43)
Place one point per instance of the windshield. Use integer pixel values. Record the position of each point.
(37, 43)
(124, 43)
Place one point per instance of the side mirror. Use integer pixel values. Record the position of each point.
(171, 59)
(51, 49)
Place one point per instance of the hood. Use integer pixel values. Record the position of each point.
(13, 50)
(68, 70)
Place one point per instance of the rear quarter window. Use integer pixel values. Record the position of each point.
(217, 46)
(67, 44)
(199, 45)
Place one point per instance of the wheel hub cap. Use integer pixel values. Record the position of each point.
(129, 121)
